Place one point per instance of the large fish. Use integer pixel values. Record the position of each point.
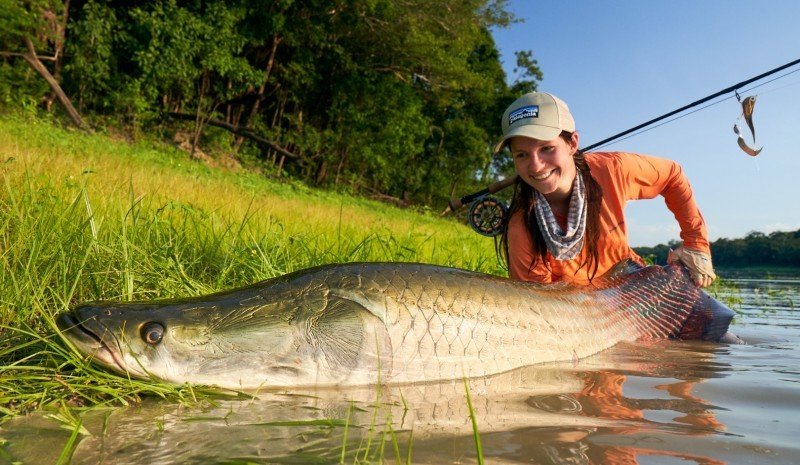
(358, 324)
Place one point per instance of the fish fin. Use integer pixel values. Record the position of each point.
(709, 319)
(345, 332)
(623, 268)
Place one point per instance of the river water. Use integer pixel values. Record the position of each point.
(664, 402)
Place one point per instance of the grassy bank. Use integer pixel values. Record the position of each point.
(85, 217)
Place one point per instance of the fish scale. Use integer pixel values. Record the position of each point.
(363, 323)
(519, 329)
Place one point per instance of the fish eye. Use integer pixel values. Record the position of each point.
(152, 333)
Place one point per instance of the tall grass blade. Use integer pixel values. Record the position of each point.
(344, 435)
(475, 434)
(66, 452)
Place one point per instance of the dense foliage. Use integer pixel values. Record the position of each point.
(755, 249)
(395, 98)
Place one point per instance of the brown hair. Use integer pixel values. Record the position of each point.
(522, 200)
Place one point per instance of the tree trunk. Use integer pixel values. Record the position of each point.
(239, 132)
(278, 115)
(322, 172)
(198, 120)
(280, 165)
(37, 65)
(340, 166)
(261, 90)
(60, 32)
(228, 106)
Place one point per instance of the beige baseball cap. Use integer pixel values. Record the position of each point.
(538, 115)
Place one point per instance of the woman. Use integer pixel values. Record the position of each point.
(567, 218)
(567, 213)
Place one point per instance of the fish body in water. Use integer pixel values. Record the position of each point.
(357, 324)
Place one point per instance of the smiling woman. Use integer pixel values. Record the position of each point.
(698, 53)
(570, 227)
(567, 218)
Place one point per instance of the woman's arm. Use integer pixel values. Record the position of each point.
(647, 177)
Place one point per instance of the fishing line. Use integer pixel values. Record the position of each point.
(781, 87)
(595, 146)
(651, 127)
(772, 80)
(727, 90)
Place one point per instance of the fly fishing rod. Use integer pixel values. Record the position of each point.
(486, 214)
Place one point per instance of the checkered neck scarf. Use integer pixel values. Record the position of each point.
(564, 245)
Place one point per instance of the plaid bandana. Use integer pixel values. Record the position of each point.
(564, 245)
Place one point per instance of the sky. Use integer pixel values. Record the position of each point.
(620, 63)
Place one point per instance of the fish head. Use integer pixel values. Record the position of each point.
(174, 341)
(143, 340)
(240, 340)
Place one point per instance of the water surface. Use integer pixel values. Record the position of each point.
(664, 402)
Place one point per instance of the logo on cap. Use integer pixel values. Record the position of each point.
(531, 111)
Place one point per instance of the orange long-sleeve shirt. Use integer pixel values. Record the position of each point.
(623, 177)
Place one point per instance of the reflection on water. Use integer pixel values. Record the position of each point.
(661, 402)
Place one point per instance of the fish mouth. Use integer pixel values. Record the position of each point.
(88, 341)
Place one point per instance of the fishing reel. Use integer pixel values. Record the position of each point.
(486, 216)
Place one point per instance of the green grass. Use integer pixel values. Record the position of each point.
(84, 217)
(475, 432)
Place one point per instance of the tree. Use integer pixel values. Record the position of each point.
(528, 73)
(24, 26)
(395, 98)
(755, 249)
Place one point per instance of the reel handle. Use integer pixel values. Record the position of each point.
(456, 203)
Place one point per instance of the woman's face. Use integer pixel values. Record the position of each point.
(547, 166)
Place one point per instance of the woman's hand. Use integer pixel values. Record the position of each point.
(698, 263)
